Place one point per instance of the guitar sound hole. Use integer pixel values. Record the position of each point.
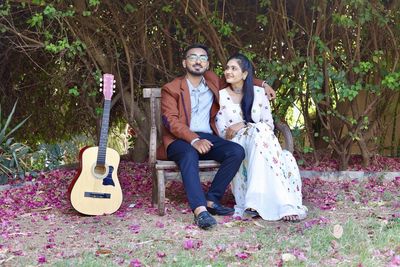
(100, 170)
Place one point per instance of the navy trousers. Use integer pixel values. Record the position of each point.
(228, 153)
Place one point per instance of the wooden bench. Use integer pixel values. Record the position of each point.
(163, 170)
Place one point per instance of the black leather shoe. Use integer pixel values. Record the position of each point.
(218, 209)
(204, 220)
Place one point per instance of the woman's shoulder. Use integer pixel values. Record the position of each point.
(258, 90)
(223, 91)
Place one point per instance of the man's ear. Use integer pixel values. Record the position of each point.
(184, 64)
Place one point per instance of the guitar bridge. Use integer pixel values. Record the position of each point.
(97, 195)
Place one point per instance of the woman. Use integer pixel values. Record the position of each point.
(268, 183)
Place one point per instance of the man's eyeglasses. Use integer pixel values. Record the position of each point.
(193, 57)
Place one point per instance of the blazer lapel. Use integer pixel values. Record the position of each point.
(214, 89)
(187, 106)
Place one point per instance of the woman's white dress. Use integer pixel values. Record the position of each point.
(269, 179)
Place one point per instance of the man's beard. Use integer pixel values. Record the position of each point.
(195, 73)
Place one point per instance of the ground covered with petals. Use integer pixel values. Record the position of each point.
(350, 223)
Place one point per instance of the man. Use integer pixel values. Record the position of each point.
(189, 105)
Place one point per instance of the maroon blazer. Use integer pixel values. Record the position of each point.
(176, 110)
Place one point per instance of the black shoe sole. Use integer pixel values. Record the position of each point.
(213, 212)
(208, 227)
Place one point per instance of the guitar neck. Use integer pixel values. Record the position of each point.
(101, 156)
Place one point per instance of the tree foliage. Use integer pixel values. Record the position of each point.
(337, 61)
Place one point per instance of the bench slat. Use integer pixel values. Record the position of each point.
(151, 92)
(168, 165)
(205, 176)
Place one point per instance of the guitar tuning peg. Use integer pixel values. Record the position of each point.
(101, 84)
(114, 86)
(114, 81)
(101, 90)
(101, 79)
(113, 91)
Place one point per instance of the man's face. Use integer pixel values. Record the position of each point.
(196, 61)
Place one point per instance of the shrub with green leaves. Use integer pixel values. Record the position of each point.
(12, 154)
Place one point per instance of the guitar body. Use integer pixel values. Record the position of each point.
(96, 190)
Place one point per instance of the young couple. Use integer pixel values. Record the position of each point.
(228, 120)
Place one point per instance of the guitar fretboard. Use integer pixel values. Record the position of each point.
(101, 156)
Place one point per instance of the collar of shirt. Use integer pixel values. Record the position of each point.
(202, 87)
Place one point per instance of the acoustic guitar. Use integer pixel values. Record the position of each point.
(95, 190)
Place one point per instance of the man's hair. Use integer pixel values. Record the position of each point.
(205, 48)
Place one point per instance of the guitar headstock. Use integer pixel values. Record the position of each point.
(108, 83)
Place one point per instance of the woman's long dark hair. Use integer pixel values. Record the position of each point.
(248, 86)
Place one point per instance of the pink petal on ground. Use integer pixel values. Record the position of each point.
(41, 259)
(135, 263)
(159, 224)
(135, 228)
(396, 180)
(299, 254)
(242, 255)
(395, 261)
(188, 244)
(161, 254)
(192, 244)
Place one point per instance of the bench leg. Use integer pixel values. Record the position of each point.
(161, 192)
(154, 196)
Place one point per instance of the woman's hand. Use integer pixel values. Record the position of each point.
(232, 130)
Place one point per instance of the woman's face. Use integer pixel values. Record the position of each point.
(233, 73)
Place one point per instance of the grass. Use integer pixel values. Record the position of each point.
(364, 241)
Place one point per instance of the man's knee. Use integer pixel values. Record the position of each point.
(236, 151)
(186, 157)
(182, 151)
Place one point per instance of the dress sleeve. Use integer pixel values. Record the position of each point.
(266, 113)
(261, 108)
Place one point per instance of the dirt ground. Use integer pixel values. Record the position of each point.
(39, 227)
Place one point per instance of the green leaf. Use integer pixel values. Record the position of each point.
(74, 91)
(130, 8)
(36, 20)
(262, 19)
(94, 2)
(265, 3)
(5, 132)
(5, 9)
(86, 13)
(50, 11)
(392, 81)
(38, 2)
(99, 111)
(167, 8)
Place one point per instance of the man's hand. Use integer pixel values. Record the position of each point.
(232, 130)
(269, 92)
(202, 146)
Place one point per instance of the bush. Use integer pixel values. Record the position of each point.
(12, 154)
